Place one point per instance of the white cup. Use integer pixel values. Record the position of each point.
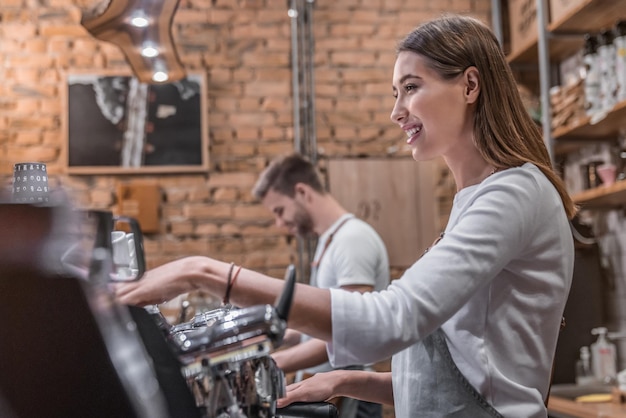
(121, 255)
(132, 253)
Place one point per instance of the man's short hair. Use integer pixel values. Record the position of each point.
(283, 173)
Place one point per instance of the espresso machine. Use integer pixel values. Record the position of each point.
(217, 365)
(224, 357)
(66, 348)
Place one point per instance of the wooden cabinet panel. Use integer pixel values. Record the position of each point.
(396, 196)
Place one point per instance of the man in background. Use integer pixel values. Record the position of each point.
(350, 255)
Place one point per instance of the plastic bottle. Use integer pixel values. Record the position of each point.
(620, 59)
(584, 374)
(591, 62)
(603, 357)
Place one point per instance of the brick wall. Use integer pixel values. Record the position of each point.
(243, 47)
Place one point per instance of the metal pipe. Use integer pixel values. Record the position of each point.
(496, 19)
(544, 75)
(295, 79)
(311, 131)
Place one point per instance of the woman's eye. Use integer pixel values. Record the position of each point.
(409, 87)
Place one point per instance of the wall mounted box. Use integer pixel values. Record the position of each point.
(523, 24)
(140, 200)
(561, 8)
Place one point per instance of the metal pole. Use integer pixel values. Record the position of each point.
(295, 79)
(311, 131)
(496, 19)
(544, 75)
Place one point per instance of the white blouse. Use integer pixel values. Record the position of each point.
(496, 284)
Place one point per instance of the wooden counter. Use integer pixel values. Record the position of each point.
(563, 407)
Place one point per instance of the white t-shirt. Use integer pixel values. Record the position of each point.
(356, 255)
(496, 284)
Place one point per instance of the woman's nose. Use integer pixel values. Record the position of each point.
(398, 113)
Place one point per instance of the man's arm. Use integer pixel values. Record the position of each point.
(302, 356)
(358, 384)
(312, 352)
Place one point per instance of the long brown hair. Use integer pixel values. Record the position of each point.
(504, 133)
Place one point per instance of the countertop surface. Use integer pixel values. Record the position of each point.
(562, 403)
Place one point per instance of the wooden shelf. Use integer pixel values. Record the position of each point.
(572, 137)
(559, 49)
(608, 127)
(603, 196)
(566, 38)
(590, 16)
(524, 55)
(566, 35)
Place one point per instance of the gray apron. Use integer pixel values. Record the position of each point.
(443, 391)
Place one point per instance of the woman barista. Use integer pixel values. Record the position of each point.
(472, 325)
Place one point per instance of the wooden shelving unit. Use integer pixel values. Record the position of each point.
(566, 34)
(560, 48)
(589, 16)
(570, 138)
(608, 127)
(603, 196)
(565, 37)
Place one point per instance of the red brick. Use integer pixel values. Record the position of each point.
(229, 229)
(205, 211)
(244, 180)
(199, 194)
(171, 211)
(269, 59)
(181, 227)
(207, 229)
(252, 212)
(27, 138)
(101, 198)
(280, 104)
(274, 149)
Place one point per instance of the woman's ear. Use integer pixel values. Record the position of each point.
(472, 84)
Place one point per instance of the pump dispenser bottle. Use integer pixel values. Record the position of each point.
(584, 374)
(603, 357)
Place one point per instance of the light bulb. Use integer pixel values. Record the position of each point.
(149, 51)
(160, 76)
(139, 21)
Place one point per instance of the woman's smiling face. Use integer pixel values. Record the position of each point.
(433, 111)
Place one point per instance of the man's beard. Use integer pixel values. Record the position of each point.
(303, 223)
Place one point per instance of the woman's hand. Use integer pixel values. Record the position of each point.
(317, 388)
(168, 281)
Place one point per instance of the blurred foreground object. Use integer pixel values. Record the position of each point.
(66, 350)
